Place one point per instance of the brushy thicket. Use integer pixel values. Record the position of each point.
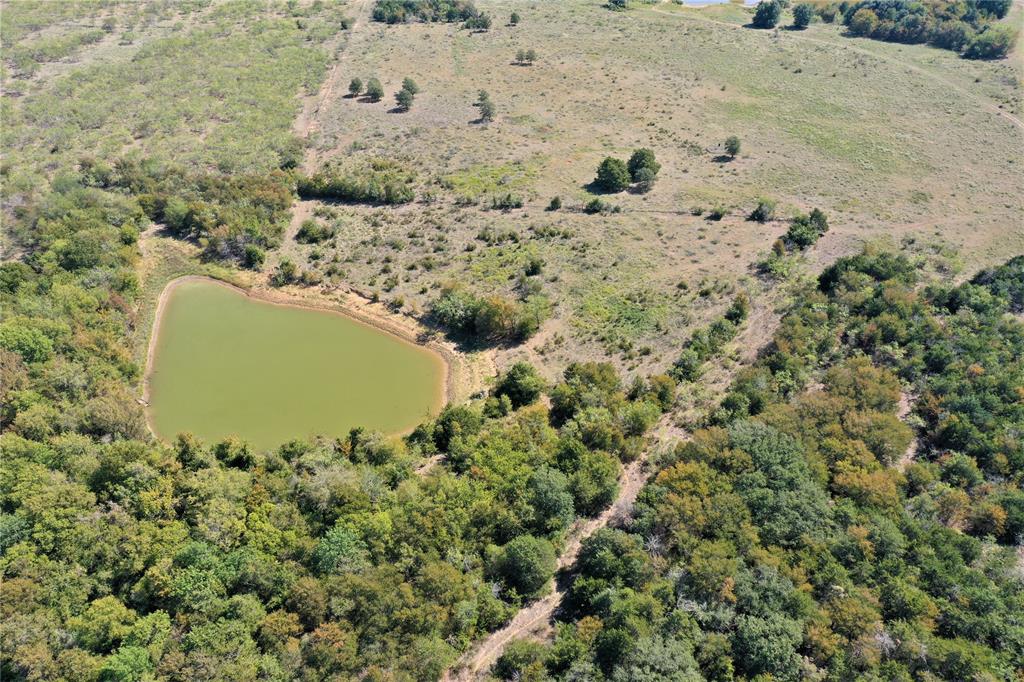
(322, 559)
(784, 542)
(377, 181)
(401, 11)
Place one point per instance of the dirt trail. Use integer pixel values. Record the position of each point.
(535, 618)
(308, 122)
(903, 410)
(983, 103)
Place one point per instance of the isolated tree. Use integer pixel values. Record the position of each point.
(767, 14)
(527, 564)
(531, 55)
(514, 19)
(612, 175)
(486, 106)
(802, 15)
(520, 56)
(642, 158)
(732, 146)
(404, 98)
(410, 85)
(374, 90)
(522, 384)
(355, 86)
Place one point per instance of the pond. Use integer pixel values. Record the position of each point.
(224, 363)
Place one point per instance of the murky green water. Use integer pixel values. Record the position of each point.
(226, 364)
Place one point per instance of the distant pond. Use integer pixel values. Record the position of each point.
(224, 363)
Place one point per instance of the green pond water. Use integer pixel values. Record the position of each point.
(226, 364)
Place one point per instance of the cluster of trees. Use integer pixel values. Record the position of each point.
(323, 559)
(789, 542)
(614, 175)
(228, 215)
(401, 11)
(969, 27)
(377, 181)
(489, 319)
(405, 97)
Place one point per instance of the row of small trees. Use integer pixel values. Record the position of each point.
(374, 91)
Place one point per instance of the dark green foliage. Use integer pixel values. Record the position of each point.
(254, 257)
(526, 564)
(491, 319)
(642, 159)
(767, 14)
(379, 182)
(313, 232)
(404, 99)
(612, 175)
(763, 212)
(1006, 282)
(968, 26)
(555, 204)
(355, 86)
(401, 11)
(410, 85)
(788, 545)
(802, 15)
(374, 90)
(513, 19)
(805, 230)
(485, 106)
(521, 383)
(994, 42)
(481, 22)
(732, 146)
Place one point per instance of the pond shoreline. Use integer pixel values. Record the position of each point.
(457, 367)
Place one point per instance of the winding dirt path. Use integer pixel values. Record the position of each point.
(308, 122)
(535, 618)
(982, 102)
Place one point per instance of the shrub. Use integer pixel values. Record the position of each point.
(481, 22)
(355, 86)
(401, 11)
(526, 564)
(410, 85)
(513, 20)
(805, 230)
(254, 257)
(802, 15)
(287, 273)
(640, 160)
(612, 175)
(313, 232)
(717, 213)
(645, 178)
(555, 204)
(374, 90)
(521, 383)
(404, 99)
(732, 146)
(767, 14)
(597, 205)
(380, 182)
(764, 211)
